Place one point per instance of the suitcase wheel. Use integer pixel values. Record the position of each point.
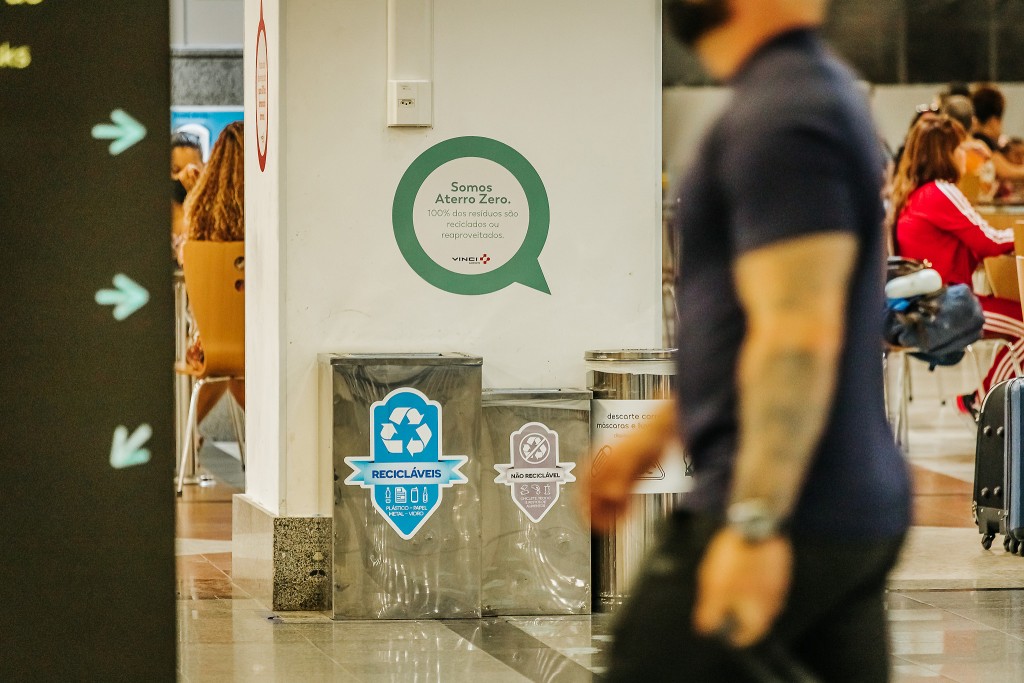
(986, 541)
(1006, 543)
(1012, 545)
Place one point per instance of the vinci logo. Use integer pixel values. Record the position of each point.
(482, 260)
(406, 471)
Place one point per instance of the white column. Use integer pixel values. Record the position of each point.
(573, 86)
(264, 267)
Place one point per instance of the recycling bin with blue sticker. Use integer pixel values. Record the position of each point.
(404, 431)
(536, 542)
(630, 386)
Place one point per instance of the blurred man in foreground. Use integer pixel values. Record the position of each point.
(779, 556)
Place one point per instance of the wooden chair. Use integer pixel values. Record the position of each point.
(970, 185)
(215, 282)
(1020, 277)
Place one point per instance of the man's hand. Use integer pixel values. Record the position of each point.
(189, 176)
(742, 587)
(605, 485)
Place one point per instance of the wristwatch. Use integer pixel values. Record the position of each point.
(754, 520)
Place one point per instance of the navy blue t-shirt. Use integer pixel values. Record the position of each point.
(794, 154)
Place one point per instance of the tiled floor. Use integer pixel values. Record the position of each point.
(943, 627)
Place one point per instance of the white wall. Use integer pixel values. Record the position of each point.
(264, 263)
(686, 115)
(573, 85)
(689, 110)
(894, 106)
(206, 23)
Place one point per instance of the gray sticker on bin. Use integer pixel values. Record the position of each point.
(534, 474)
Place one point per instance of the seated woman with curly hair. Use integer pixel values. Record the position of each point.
(215, 211)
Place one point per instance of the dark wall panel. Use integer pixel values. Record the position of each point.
(1009, 40)
(948, 40)
(868, 35)
(910, 41)
(86, 440)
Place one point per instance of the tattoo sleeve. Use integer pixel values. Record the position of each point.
(794, 295)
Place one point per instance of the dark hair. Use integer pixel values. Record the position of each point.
(988, 103)
(956, 88)
(688, 20)
(960, 109)
(183, 139)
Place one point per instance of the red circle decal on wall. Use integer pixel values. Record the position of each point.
(262, 92)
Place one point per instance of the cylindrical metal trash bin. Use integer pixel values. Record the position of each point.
(405, 431)
(536, 544)
(629, 386)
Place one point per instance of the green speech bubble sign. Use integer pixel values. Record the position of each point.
(523, 267)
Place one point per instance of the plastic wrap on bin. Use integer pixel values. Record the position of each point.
(536, 545)
(407, 519)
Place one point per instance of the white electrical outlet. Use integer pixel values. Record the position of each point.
(409, 103)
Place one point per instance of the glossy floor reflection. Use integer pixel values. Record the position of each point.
(954, 634)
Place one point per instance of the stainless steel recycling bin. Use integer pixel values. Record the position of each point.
(404, 431)
(536, 544)
(629, 385)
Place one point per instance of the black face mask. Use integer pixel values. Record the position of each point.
(691, 19)
(178, 192)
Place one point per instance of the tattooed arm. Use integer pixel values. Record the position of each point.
(794, 294)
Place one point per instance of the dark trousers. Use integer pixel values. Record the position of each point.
(833, 625)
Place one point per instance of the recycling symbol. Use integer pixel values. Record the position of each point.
(406, 470)
(407, 422)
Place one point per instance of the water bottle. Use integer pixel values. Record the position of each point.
(922, 282)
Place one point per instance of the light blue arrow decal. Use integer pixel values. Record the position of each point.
(129, 296)
(125, 131)
(127, 450)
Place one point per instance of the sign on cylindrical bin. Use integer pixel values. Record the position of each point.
(629, 387)
(404, 433)
(536, 544)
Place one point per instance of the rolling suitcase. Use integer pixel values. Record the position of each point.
(1014, 465)
(997, 466)
(988, 508)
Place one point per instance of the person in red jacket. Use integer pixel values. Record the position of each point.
(934, 221)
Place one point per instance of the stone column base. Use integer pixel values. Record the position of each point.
(283, 561)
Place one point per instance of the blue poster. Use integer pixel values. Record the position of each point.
(406, 471)
(205, 122)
